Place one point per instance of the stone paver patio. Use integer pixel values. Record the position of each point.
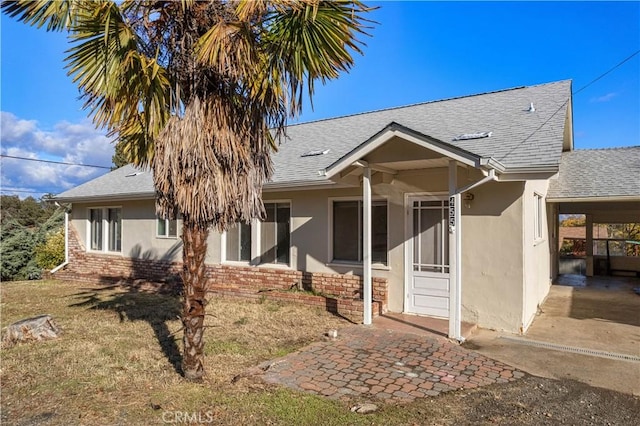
(385, 364)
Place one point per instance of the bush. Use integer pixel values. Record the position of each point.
(51, 253)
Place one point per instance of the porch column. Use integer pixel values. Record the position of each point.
(455, 254)
(366, 244)
(589, 243)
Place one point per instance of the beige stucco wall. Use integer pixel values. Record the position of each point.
(139, 239)
(492, 239)
(492, 256)
(537, 262)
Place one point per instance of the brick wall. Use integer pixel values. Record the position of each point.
(341, 294)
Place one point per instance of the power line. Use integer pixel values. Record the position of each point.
(53, 162)
(567, 101)
(25, 191)
(603, 74)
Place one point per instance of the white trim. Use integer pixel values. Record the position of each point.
(166, 224)
(409, 197)
(388, 134)
(258, 254)
(538, 218)
(367, 285)
(105, 230)
(620, 198)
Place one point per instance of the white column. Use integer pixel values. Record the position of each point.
(455, 254)
(366, 244)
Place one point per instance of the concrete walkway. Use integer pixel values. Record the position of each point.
(385, 364)
(596, 316)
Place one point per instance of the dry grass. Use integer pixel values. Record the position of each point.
(115, 362)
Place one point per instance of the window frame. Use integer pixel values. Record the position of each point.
(105, 230)
(358, 263)
(223, 247)
(256, 242)
(167, 227)
(538, 218)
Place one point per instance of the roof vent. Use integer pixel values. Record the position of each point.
(531, 108)
(133, 174)
(315, 153)
(467, 136)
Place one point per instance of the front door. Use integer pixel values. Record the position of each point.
(427, 289)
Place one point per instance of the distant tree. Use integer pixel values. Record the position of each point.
(25, 224)
(16, 250)
(574, 221)
(119, 158)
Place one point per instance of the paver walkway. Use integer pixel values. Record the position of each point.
(386, 364)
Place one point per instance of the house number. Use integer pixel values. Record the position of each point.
(452, 214)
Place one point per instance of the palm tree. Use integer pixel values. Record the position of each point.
(200, 92)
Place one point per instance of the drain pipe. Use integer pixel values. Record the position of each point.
(66, 242)
(490, 177)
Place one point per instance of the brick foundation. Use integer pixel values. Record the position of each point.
(340, 294)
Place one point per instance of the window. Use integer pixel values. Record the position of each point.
(430, 236)
(95, 219)
(347, 231)
(105, 224)
(238, 243)
(167, 228)
(275, 234)
(538, 217)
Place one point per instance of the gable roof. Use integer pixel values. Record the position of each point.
(520, 139)
(590, 174)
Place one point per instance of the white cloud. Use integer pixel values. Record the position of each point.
(78, 143)
(605, 98)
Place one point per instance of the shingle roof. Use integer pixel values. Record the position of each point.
(125, 182)
(520, 139)
(596, 173)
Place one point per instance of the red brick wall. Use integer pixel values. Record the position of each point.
(338, 293)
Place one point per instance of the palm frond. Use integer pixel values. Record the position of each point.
(57, 15)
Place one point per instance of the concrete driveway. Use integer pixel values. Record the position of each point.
(587, 330)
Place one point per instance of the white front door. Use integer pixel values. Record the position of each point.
(427, 283)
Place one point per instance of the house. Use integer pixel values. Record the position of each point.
(440, 209)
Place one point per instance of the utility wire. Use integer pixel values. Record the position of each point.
(567, 101)
(603, 74)
(25, 191)
(53, 162)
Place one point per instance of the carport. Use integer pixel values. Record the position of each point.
(603, 185)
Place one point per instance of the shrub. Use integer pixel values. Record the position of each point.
(51, 253)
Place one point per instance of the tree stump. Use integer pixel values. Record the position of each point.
(33, 329)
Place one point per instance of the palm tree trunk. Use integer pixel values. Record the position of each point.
(194, 240)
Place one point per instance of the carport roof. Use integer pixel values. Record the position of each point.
(592, 174)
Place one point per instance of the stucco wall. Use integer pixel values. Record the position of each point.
(492, 256)
(537, 266)
(492, 239)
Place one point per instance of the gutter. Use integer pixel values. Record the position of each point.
(66, 243)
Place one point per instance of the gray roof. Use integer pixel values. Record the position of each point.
(519, 139)
(598, 173)
(125, 182)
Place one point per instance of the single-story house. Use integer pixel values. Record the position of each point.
(439, 209)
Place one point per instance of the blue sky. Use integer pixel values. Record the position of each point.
(419, 51)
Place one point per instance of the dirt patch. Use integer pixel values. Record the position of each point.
(537, 401)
